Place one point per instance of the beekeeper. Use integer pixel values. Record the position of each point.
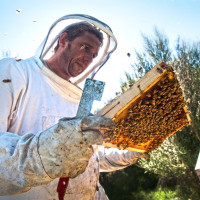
(37, 144)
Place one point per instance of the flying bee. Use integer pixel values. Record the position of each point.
(6, 81)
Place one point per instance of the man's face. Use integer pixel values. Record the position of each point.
(78, 54)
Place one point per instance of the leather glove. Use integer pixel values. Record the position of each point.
(66, 147)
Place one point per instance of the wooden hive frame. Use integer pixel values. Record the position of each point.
(119, 108)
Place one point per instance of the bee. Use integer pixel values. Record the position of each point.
(18, 10)
(6, 81)
(159, 70)
(148, 95)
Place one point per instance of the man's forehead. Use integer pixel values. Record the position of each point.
(90, 38)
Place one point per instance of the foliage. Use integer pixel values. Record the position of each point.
(177, 156)
(134, 183)
(161, 194)
(128, 83)
(187, 65)
(179, 152)
(166, 159)
(156, 49)
(174, 161)
(125, 184)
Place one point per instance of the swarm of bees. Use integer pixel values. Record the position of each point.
(150, 119)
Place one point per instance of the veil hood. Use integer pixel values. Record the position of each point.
(46, 49)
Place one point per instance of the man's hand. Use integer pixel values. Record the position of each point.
(66, 147)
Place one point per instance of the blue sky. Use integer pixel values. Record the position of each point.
(128, 19)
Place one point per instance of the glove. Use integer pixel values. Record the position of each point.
(66, 147)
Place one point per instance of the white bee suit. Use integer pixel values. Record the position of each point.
(32, 99)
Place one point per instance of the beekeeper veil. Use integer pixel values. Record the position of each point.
(109, 44)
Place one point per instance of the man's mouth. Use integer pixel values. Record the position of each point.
(78, 68)
(81, 67)
(80, 64)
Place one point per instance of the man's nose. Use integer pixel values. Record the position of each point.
(87, 59)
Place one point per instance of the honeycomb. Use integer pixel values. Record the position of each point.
(151, 117)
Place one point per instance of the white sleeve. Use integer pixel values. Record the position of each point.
(21, 167)
(112, 159)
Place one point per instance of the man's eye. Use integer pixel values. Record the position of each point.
(85, 47)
